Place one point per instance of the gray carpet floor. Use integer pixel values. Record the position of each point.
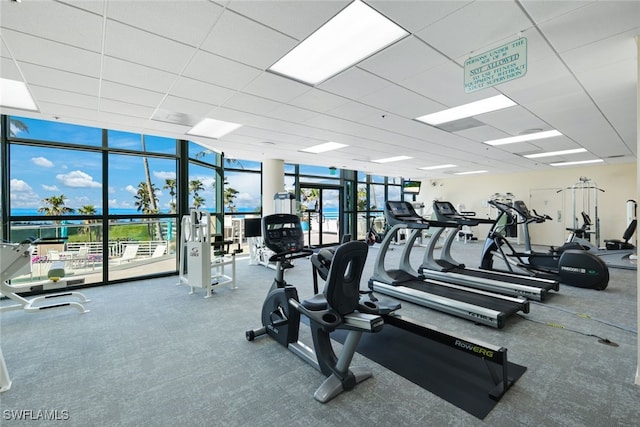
(149, 353)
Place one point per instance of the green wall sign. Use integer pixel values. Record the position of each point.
(499, 65)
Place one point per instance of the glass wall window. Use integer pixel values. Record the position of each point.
(141, 184)
(242, 197)
(54, 181)
(60, 200)
(41, 130)
(203, 154)
(202, 187)
(138, 142)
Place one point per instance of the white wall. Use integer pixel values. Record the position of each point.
(539, 191)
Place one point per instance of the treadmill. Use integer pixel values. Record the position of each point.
(447, 268)
(477, 305)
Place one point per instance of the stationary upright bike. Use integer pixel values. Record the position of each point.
(333, 309)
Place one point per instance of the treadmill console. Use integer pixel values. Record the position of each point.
(522, 209)
(445, 209)
(282, 233)
(401, 212)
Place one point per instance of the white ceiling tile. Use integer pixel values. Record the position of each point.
(400, 101)
(444, 85)
(354, 110)
(62, 80)
(55, 96)
(309, 14)
(277, 88)
(71, 26)
(290, 113)
(129, 94)
(354, 83)
(186, 22)
(194, 89)
(318, 100)
(10, 69)
(125, 109)
(259, 46)
(220, 71)
(141, 47)
(416, 15)
(403, 59)
(566, 31)
(52, 54)
(185, 106)
(136, 75)
(476, 28)
(251, 104)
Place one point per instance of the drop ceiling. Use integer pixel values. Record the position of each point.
(159, 67)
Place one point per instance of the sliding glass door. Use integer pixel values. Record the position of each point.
(320, 213)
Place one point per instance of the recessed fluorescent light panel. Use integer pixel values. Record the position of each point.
(14, 94)
(581, 162)
(212, 128)
(468, 110)
(527, 137)
(354, 34)
(469, 172)
(322, 148)
(392, 159)
(430, 168)
(555, 153)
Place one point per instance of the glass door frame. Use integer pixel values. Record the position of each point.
(304, 217)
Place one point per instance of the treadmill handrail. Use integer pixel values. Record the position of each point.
(445, 211)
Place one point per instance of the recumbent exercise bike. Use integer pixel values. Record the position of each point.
(335, 308)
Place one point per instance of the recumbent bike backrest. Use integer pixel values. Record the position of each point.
(342, 288)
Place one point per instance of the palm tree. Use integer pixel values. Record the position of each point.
(16, 126)
(170, 184)
(198, 201)
(230, 194)
(56, 206)
(196, 185)
(88, 210)
(144, 202)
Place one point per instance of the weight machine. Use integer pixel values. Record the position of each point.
(584, 196)
(15, 260)
(199, 266)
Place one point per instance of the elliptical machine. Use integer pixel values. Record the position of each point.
(333, 309)
(569, 264)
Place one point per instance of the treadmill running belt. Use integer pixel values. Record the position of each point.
(459, 378)
(497, 304)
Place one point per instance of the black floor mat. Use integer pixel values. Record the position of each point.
(459, 378)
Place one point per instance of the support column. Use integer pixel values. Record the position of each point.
(272, 183)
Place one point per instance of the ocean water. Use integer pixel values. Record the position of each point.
(329, 213)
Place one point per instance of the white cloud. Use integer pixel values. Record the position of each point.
(50, 187)
(42, 162)
(19, 185)
(131, 189)
(164, 174)
(22, 195)
(78, 179)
